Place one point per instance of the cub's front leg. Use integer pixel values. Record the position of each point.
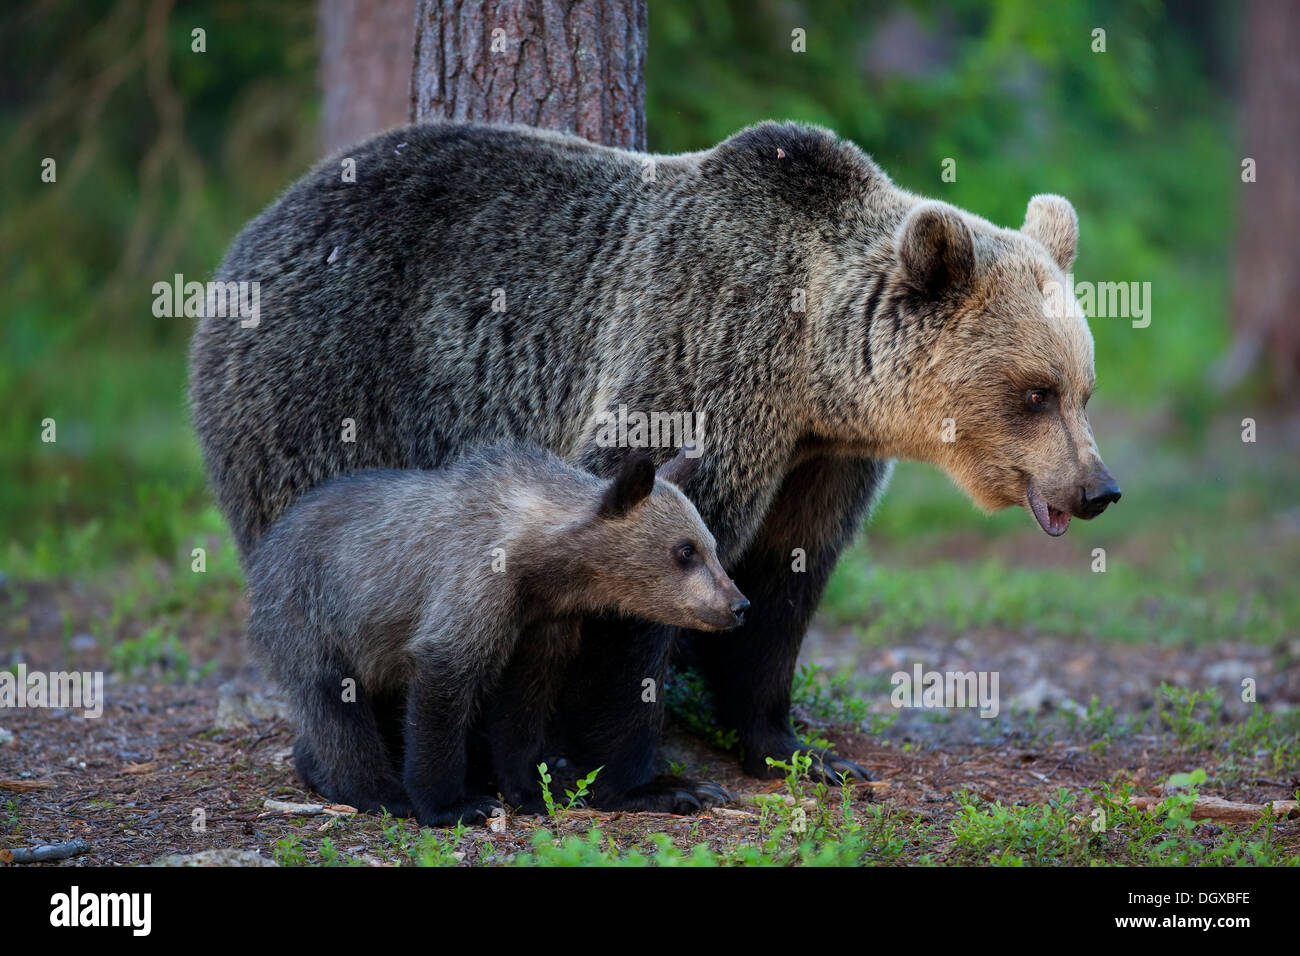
(442, 699)
(517, 713)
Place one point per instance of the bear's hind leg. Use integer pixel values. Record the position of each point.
(341, 752)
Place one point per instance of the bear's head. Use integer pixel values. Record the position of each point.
(1010, 359)
(657, 559)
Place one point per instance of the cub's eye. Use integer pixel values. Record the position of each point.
(684, 553)
(1037, 399)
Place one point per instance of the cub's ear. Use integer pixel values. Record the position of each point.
(1052, 221)
(631, 486)
(683, 465)
(936, 248)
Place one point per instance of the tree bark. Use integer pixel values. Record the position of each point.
(1266, 293)
(571, 65)
(365, 67)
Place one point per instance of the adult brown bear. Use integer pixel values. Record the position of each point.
(473, 283)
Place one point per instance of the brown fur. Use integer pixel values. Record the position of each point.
(671, 292)
(421, 587)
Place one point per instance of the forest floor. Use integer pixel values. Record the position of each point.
(1148, 664)
(186, 766)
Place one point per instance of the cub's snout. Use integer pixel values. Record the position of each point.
(731, 613)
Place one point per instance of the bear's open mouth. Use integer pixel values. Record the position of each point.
(1050, 519)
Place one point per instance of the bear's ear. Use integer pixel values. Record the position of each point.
(682, 466)
(631, 486)
(936, 249)
(1052, 221)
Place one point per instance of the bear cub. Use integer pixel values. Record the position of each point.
(408, 614)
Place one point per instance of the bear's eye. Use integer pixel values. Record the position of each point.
(1037, 399)
(684, 553)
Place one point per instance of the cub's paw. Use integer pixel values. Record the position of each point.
(666, 795)
(473, 812)
(390, 798)
(393, 806)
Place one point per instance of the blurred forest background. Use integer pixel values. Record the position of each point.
(164, 153)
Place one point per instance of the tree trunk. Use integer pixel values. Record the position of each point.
(1266, 294)
(571, 65)
(365, 66)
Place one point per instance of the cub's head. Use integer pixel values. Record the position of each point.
(1012, 362)
(662, 562)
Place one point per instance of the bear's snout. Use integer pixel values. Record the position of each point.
(1098, 492)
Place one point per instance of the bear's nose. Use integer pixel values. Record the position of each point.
(1097, 494)
(739, 608)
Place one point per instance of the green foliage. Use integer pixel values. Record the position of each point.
(155, 652)
(809, 825)
(1046, 835)
(830, 701)
(1169, 835)
(1163, 604)
(438, 847)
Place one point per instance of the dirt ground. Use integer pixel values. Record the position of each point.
(133, 782)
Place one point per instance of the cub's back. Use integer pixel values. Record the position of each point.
(380, 546)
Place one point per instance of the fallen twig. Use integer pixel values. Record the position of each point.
(43, 854)
(276, 808)
(1226, 811)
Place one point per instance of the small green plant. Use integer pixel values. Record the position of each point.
(438, 847)
(329, 854)
(1102, 723)
(155, 651)
(1193, 716)
(288, 851)
(830, 701)
(12, 824)
(574, 797)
